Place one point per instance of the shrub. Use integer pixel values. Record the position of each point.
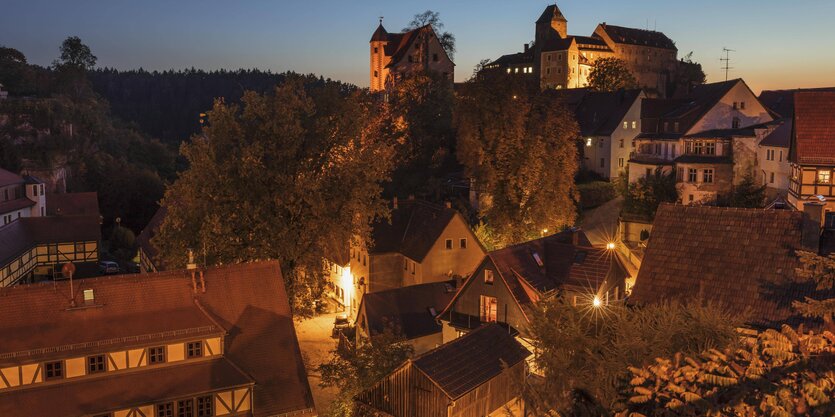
(593, 194)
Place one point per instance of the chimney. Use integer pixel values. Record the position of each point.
(394, 203)
(813, 221)
(527, 47)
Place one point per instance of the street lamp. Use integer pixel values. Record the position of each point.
(596, 302)
(610, 245)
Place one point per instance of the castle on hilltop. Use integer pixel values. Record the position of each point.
(394, 55)
(559, 60)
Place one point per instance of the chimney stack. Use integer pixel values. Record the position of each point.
(527, 47)
(394, 203)
(813, 221)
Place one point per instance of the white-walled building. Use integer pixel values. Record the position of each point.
(20, 197)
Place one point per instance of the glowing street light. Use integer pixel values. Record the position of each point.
(610, 245)
(596, 302)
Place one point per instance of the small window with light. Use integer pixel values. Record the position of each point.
(488, 276)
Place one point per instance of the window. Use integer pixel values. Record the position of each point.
(736, 105)
(707, 176)
(634, 124)
(692, 175)
(666, 126)
(537, 259)
(658, 149)
(448, 244)
(41, 189)
(626, 125)
(620, 162)
(690, 198)
(548, 71)
(54, 370)
(680, 174)
(621, 144)
(488, 307)
(648, 172)
(205, 407)
(488, 276)
(375, 74)
(735, 123)
(156, 354)
(772, 178)
(823, 176)
(781, 157)
(405, 264)
(364, 260)
(165, 410)
(698, 148)
(375, 50)
(185, 408)
(588, 142)
(600, 142)
(742, 105)
(194, 349)
(413, 267)
(710, 148)
(675, 127)
(769, 155)
(673, 150)
(96, 364)
(602, 162)
(34, 191)
(462, 243)
(435, 57)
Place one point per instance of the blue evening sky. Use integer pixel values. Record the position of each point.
(779, 44)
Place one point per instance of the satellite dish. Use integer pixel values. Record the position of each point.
(68, 270)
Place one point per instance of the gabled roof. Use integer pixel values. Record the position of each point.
(780, 137)
(685, 111)
(600, 112)
(470, 361)
(15, 204)
(550, 13)
(743, 259)
(9, 178)
(415, 226)
(246, 302)
(513, 59)
(407, 309)
(72, 204)
(398, 44)
(641, 37)
(814, 128)
(148, 233)
(27, 232)
(781, 102)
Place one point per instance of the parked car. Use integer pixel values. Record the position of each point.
(340, 323)
(108, 267)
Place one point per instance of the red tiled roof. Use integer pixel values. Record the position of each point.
(93, 396)
(814, 128)
(72, 204)
(743, 259)
(148, 233)
(245, 301)
(27, 232)
(16, 204)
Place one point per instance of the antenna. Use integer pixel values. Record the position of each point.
(727, 61)
(381, 20)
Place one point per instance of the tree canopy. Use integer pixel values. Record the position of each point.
(287, 176)
(519, 145)
(645, 195)
(76, 55)
(433, 19)
(611, 74)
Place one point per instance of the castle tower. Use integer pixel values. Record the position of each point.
(378, 71)
(551, 21)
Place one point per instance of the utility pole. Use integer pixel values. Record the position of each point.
(727, 61)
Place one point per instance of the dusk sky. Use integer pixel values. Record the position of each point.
(778, 44)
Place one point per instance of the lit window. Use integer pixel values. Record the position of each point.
(620, 162)
(626, 125)
(707, 176)
(508, 70)
(448, 244)
(194, 349)
(488, 276)
(488, 307)
(634, 124)
(54, 370)
(588, 141)
(823, 176)
(156, 354)
(96, 364)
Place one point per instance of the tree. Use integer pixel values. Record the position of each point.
(611, 74)
(583, 352)
(690, 74)
(15, 73)
(519, 145)
(354, 369)
(433, 19)
(478, 68)
(282, 176)
(645, 195)
(75, 55)
(746, 194)
(782, 373)
(820, 270)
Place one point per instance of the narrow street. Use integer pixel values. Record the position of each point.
(316, 344)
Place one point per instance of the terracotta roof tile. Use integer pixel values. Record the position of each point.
(814, 128)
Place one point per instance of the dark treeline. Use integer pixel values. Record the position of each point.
(167, 104)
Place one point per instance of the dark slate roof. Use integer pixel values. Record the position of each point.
(28, 232)
(589, 40)
(407, 309)
(781, 102)
(513, 59)
(743, 259)
(380, 35)
(9, 178)
(687, 112)
(640, 37)
(246, 302)
(551, 12)
(814, 128)
(415, 226)
(72, 204)
(556, 43)
(600, 113)
(780, 137)
(470, 361)
(148, 233)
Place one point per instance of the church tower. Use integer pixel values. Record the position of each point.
(549, 23)
(379, 62)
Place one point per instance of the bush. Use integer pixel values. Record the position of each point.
(593, 194)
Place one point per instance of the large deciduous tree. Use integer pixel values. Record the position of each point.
(284, 176)
(433, 19)
(519, 145)
(75, 54)
(584, 352)
(611, 74)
